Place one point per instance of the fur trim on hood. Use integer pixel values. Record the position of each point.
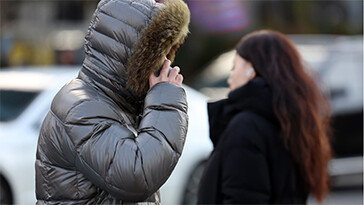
(163, 36)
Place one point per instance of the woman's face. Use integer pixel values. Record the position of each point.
(240, 73)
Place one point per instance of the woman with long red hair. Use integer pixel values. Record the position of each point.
(271, 135)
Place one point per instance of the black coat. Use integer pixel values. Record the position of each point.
(250, 163)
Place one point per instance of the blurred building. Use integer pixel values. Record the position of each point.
(43, 32)
(51, 32)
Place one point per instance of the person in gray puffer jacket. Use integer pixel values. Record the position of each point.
(115, 133)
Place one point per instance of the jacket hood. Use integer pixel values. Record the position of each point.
(126, 41)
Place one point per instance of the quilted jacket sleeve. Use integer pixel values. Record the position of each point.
(132, 167)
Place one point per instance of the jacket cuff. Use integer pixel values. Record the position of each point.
(166, 93)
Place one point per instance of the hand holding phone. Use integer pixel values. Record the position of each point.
(167, 74)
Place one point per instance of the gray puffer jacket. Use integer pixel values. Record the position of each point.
(107, 138)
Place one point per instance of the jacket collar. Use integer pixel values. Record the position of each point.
(255, 96)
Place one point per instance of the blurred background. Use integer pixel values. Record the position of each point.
(42, 48)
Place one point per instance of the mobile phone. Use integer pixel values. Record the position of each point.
(157, 73)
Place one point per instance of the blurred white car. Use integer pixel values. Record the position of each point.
(26, 95)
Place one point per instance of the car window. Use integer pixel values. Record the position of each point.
(14, 102)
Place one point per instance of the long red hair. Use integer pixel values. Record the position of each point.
(298, 103)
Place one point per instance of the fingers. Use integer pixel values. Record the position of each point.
(174, 77)
(152, 76)
(152, 80)
(179, 79)
(165, 69)
(174, 72)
